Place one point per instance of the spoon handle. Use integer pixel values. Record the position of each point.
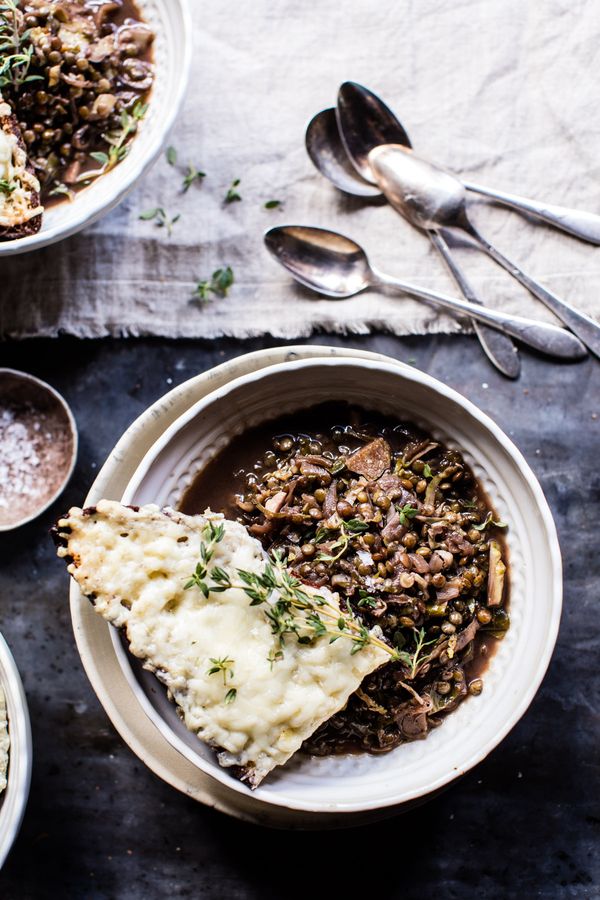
(547, 339)
(583, 326)
(583, 225)
(498, 347)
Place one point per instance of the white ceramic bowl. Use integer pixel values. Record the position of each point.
(14, 799)
(171, 22)
(357, 783)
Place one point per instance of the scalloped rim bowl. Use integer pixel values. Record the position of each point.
(171, 21)
(14, 800)
(362, 782)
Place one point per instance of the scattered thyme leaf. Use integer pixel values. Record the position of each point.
(489, 520)
(232, 195)
(193, 174)
(230, 696)
(61, 190)
(406, 513)
(427, 471)
(223, 666)
(160, 218)
(274, 656)
(219, 284)
(273, 204)
(6, 187)
(171, 155)
(356, 526)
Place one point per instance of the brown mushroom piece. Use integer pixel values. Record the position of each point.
(372, 460)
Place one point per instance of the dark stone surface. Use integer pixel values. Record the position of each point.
(524, 823)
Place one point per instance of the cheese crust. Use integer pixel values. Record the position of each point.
(20, 208)
(134, 564)
(4, 742)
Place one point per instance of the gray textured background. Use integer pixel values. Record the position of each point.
(503, 91)
(100, 826)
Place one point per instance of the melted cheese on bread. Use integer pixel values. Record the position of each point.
(21, 185)
(134, 565)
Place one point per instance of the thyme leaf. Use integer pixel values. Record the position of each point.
(223, 666)
(230, 696)
(193, 174)
(219, 284)
(6, 187)
(171, 156)
(273, 204)
(160, 218)
(489, 520)
(232, 195)
(406, 513)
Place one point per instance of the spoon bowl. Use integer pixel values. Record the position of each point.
(426, 195)
(365, 122)
(325, 261)
(328, 154)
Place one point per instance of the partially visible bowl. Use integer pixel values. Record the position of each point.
(38, 447)
(411, 771)
(171, 22)
(14, 799)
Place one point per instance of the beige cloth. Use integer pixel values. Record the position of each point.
(501, 90)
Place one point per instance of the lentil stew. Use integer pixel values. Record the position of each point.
(76, 74)
(396, 523)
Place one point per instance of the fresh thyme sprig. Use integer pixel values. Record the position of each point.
(289, 608)
(219, 284)
(161, 218)
(415, 660)
(117, 141)
(224, 666)
(16, 50)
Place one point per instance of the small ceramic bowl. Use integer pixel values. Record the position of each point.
(38, 447)
(14, 799)
(412, 771)
(171, 23)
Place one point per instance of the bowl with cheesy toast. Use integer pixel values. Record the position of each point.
(348, 615)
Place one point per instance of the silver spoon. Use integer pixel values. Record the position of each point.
(358, 104)
(336, 266)
(326, 150)
(432, 198)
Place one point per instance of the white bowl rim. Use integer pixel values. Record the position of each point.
(113, 197)
(526, 698)
(14, 800)
(43, 385)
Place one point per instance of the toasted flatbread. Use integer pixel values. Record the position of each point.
(20, 208)
(238, 687)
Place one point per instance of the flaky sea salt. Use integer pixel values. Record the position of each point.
(18, 458)
(33, 445)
